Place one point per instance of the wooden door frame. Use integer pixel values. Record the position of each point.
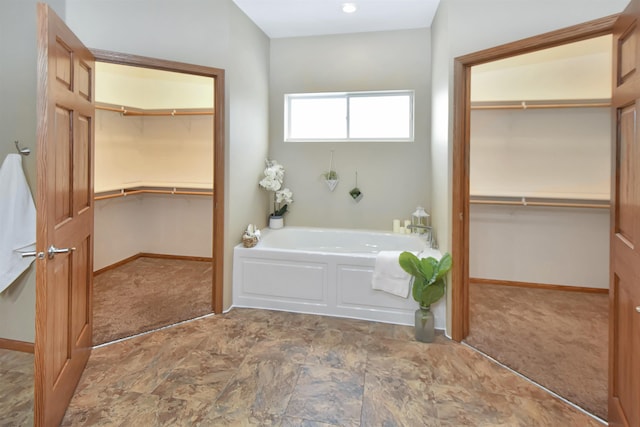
(218, 76)
(461, 149)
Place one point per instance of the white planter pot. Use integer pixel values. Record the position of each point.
(331, 183)
(276, 222)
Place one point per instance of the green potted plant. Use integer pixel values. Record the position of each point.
(428, 286)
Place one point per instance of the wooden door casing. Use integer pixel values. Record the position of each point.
(461, 149)
(218, 76)
(624, 295)
(64, 216)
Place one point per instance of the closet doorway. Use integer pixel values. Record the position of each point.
(504, 258)
(158, 194)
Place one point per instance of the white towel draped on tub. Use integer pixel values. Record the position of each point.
(17, 220)
(388, 276)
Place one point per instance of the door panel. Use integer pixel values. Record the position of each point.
(80, 291)
(62, 164)
(624, 194)
(64, 216)
(627, 54)
(624, 319)
(82, 193)
(60, 295)
(85, 80)
(63, 64)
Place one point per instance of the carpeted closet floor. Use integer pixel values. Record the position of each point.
(149, 293)
(559, 339)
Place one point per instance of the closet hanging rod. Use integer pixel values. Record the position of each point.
(128, 112)
(546, 203)
(532, 105)
(174, 191)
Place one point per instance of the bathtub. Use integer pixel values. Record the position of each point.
(324, 271)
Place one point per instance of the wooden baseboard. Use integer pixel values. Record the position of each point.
(116, 264)
(15, 345)
(150, 255)
(538, 285)
(182, 257)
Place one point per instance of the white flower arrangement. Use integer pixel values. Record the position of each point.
(272, 181)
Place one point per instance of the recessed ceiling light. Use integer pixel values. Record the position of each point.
(349, 7)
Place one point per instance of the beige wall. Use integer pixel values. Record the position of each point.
(149, 88)
(209, 33)
(153, 151)
(462, 27)
(159, 224)
(18, 122)
(393, 177)
(561, 153)
(558, 153)
(580, 70)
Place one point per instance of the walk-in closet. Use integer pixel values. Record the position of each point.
(154, 162)
(540, 145)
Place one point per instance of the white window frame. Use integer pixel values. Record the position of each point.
(346, 96)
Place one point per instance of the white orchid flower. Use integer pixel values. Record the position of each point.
(272, 181)
(284, 195)
(271, 184)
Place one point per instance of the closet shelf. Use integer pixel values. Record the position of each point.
(537, 201)
(131, 111)
(152, 190)
(526, 105)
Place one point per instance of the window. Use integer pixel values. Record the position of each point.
(349, 116)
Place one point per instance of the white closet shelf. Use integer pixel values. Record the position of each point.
(540, 104)
(540, 201)
(123, 192)
(132, 111)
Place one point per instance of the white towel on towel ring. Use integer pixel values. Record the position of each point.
(388, 276)
(17, 220)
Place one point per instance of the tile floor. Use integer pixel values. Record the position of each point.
(16, 388)
(256, 367)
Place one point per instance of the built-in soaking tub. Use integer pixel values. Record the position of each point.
(324, 271)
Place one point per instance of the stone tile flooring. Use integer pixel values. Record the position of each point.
(257, 367)
(16, 388)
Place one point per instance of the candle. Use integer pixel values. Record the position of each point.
(407, 223)
(396, 225)
(401, 231)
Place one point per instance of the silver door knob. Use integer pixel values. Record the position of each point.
(52, 251)
(638, 309)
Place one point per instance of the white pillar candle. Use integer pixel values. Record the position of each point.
(396, 225)
(407, 223)
(401, 231)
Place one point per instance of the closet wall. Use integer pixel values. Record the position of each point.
(554, 149)
(154, 164)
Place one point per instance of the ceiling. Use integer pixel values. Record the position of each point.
(299, 18)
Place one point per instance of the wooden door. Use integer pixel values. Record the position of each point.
(624, 319)
(64, 216)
